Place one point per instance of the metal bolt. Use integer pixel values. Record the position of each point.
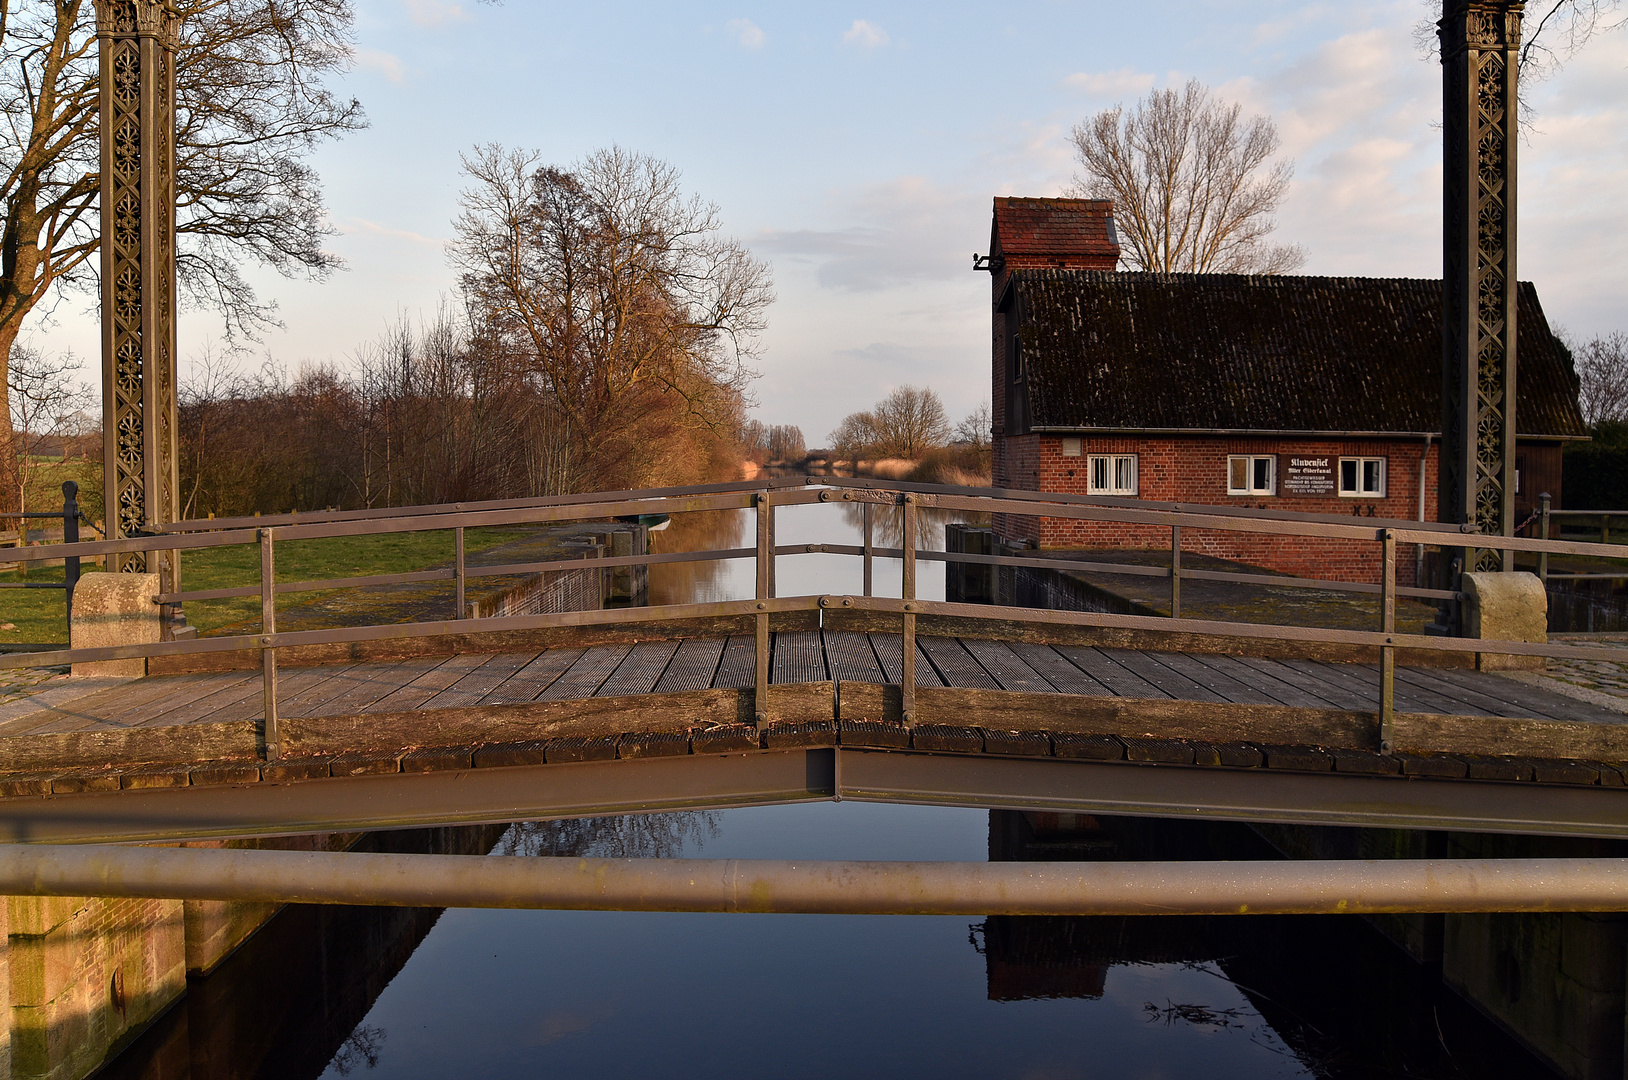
(827, 495)
(265, 641)
(847, 601)
(763, 607)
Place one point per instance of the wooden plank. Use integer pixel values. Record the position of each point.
(593, 717)
(487, 641)
(1165, 678)
(852, 658)
(737, 666)
(368, 683)
(1544, 704)
(692, 666)
(1464, 699)
(1264, 675)
(640, 670)
(313, 693)
(1410, 697)
(799, 657)
(497, 670)
(533, 679)
(1423, 733)
(133, 746)
(1359, 681)
(1206, 721)
(431, 682)
(89, 711)
(889, 650)
(1224, 686)
(1056, 670)
(1109, 672)
(202, 709)
(1006, 667)
(585, 676)
(957, 666)
(1314, 682)
(182, 689)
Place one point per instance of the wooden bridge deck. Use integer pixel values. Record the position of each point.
(475, 680)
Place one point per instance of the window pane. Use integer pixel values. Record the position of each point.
(1124, 473)
(1263, 474)
(1239, 480)
(1099, 473)
(1348, 475)
(1370, 477)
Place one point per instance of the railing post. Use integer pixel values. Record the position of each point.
(907, 672)
(1387, 652)
(268, 627)
(458, 572)
(765, 589)
(1543, 556)
(870, 548)
(70, 535)
(1175, 571)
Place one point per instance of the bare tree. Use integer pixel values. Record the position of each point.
(1552, 32)
(1191, 183)
(974, 430)
(910, 421)
(856, 438)
(49, 408)
(250, 106)
(623, 295)
(1602, 376)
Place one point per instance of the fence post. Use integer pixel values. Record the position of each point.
(765, 589)
(907, 673)
(1387, 626)
(870, 548)
(1175, 571)
(70, 535)
(458, 572)
(268, 627)
(1543, 556)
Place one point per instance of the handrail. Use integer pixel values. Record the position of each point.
(763, 497)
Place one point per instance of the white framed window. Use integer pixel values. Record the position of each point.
(1252, 474)
(1362, 478)
(1111, 474)
(1072, 447)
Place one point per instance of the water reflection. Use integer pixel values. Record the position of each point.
(800, 574)
(649, 836)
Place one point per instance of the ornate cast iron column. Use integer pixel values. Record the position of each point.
(136, 40)
(1480, 42)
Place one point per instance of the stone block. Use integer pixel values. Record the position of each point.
(115, 609)
(1506, 607)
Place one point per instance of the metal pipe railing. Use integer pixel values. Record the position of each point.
(764, 498)
(814, 887)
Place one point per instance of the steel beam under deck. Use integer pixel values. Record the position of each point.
(540, 792)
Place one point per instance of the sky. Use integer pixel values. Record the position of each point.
(856, 146)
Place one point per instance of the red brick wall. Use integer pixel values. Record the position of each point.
(1192, 469)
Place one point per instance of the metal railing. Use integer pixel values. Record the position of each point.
(70, 517)
(1548, 518)
(764, 497)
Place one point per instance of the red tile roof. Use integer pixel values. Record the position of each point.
(1053, 228)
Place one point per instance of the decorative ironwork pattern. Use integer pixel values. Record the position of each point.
(1480, 39)
(136, 43)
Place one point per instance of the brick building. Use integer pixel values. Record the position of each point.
(1319, 395)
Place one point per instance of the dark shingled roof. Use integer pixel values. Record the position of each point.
(1053, 227)
(1237, 353)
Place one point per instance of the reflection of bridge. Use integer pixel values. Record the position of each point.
(776, 699)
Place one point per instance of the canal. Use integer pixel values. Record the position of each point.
(406, 994)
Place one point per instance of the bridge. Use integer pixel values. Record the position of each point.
(776, 699)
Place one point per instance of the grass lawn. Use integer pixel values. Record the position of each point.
(36, 615)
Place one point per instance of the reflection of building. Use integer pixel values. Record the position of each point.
(1295, 393)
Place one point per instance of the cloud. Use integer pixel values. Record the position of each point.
(896, 237)
(1110, 83)
(434, 12)
(386, 64)
(362, 225)
(865, 35)
(746, 32)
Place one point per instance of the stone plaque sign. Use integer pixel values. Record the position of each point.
(1309, 475)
